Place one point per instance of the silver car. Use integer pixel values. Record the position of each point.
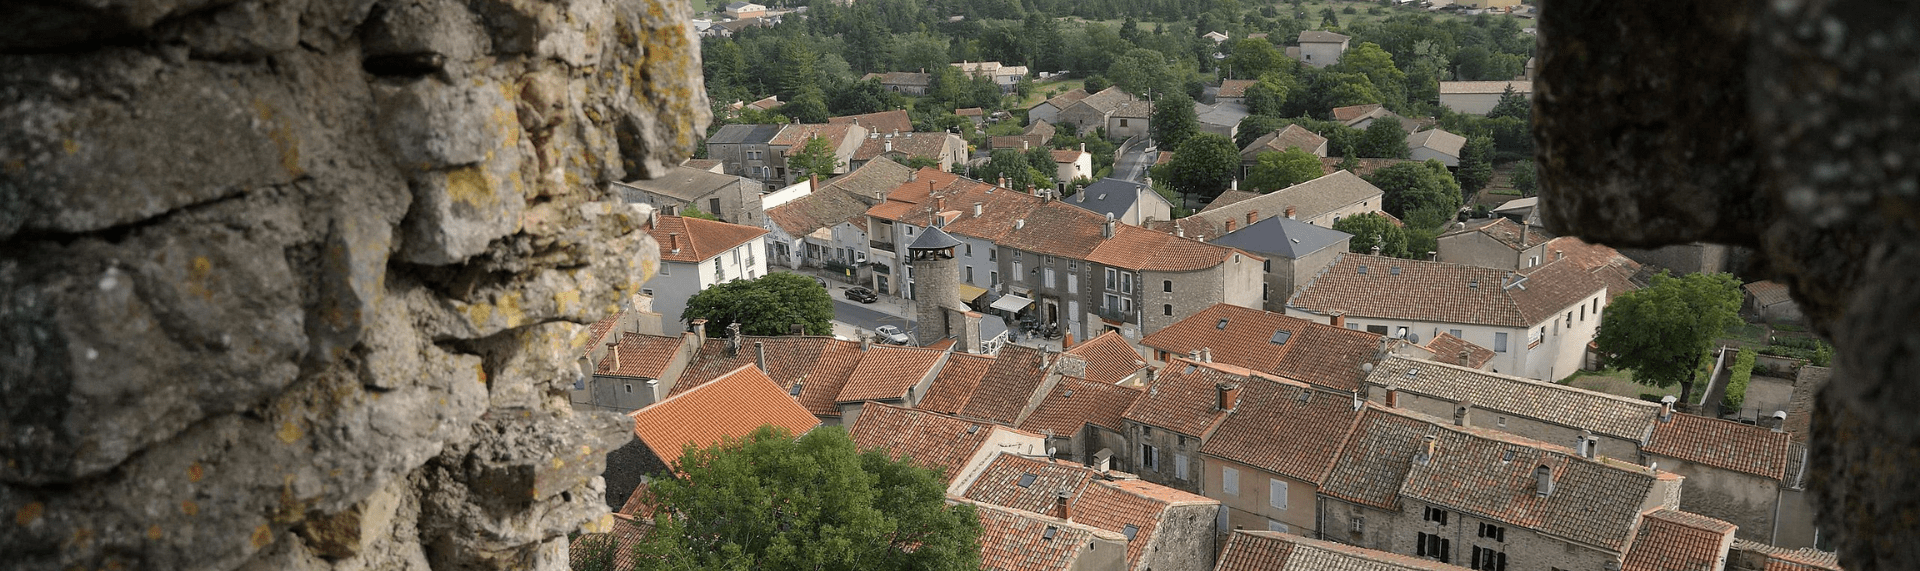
(892, 334)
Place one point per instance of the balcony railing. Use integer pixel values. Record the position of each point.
(879, 245)
(1114, 314)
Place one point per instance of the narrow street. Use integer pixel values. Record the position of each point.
(1131, 160)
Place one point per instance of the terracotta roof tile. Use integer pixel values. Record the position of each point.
(1392, 288)
(934, 441)
(1061, 101)
(1317, 353)
(597, 332)
(1021, 142)
(823, 208)
(1309, 200)
(1351, 112)
(1506, 232)
(956, 383)
(1618, 272)
(795, 136)
(1449, 349)
(1234, 87)
(1136, 248)
(698, 239)
(886, 372)
(1602, 413)
(871, 181)
(1182, 398)
(911, 144)
(611, 551)
(1671, 540)
(729, 407)
(1782, 559)
(1806, 386)
(1067, 155)
(820, 365)
(1110, 505)
(1722, 444)
(1076, 402)
(1362, 166)
(1249, 550)
(1109, 358)
(1285, 428)
(1013, 540)
(1491, 475)
(1289, 137)
(882, 122)
(1008, 386)
(640, 355)
(1768, 292)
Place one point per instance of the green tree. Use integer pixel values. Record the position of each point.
(1383, 139)
(1016, 166)
(770, 501)
(1275, 170)
(692, 211)
(1140, 71)
(767, 305)
(1202, 165)
(1269, 94)
(1740, 374)
(810, 106)
(1511, 104)
(1096, 84)
(796, 70)
(1522, 178)
(1410, 188)
(1661, 330)
(1253, 58)
(1174, 120)
(1371, 230)
(1257, 126)
(1476, 164)
(1328, 18)
(815, 158)
(1377, 65)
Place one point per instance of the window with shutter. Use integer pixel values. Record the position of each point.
(1276, 494)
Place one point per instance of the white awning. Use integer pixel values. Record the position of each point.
(1011, 302)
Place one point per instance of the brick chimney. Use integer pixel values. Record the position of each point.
(673, 242)
(1461, 412)
(1226, 395)
(1393, 397)
(1252, 217)
(613, 357)
(1061, 504)
(1337, 319)
(1290, 211)
(1067, 341)
(1427, 449)
(1229, 225)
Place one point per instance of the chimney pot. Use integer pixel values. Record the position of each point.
(1290, 211)
(1060, 503)
(976, 209)
(699, 329)
(1666, 407)
(613, 356)
(1337, 319)
(1226, 396)
(1460, 414)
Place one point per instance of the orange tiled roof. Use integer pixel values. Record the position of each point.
(1234, 87)
(1250, 550)
(882, 122)
(820, 365)
(1067, 155)
(598, 331)
(1768, 292)
(795, 136)
(1136, 248)
(1671, 540)
(1061, 101)
(910, 144)
(1449, 349)
(1351, 112)
(611, 551)
(1317, 353)
(1182, 398)
(1506, 232)
(1289, 137)
(886, 372)
(729, 407)
(934, 441)
(1110, 505)
(1617, 271)
(1392, 288)
(822, 208)
(640, 355)
(1722, 444)
(1285, 428)
(1008, 385)
(698, 239)
(1361, 166)
(1077, 402)
(1014, 540)
(956, 383)
(1781, 559)
(1109, 358)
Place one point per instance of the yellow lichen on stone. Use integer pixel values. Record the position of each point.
(262, 535)
(195, 472)
(478, 314)
(282, 136)
(197, 274)
(29, 513)
(510, 312)
(469, 185)
(189, 508)
(71, 146)
(565, 300)
(479, 374)
(154, 532)
(288, 432)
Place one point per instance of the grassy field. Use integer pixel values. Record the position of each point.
(1041, 89)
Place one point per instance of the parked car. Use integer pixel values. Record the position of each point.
(892, 334)
(862, 295)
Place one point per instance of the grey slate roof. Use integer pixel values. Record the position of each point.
(744, 134)
(1438, 140)
(684, 183)
(1310, 199)
(1107, 196)
(1228, 114)
(1619, 417)
(933, 239)
(1282, 237)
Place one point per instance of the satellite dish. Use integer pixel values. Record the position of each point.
(1413, 338)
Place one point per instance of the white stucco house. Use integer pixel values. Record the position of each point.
(696, 254)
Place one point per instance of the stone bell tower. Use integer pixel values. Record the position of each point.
(935, 283)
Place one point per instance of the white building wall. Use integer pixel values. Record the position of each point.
(1559, 353)
(1321, 54)
(1470, 103)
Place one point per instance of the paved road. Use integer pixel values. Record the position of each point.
(865, 318)
(1131, 161)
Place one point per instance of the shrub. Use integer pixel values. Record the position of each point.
(1742, 373)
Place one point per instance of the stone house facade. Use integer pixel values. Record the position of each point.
(1495, 243)
(1546, 412)
(730, 198)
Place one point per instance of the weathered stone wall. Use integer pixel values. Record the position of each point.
(1783, 126)
(295, 284)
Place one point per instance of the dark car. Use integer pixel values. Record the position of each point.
(862, 295)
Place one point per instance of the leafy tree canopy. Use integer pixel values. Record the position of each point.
(1256, 126)
(815, 158)
(1174, 120)
(1661, 330)
(1371, 230)
(1417, 187)
(1203, 165)
(1476, 164)
(1383, 139)
(1140, 71)
(692, 211)
(770, 501)
(1275, 170)
(1512, 104)
(767, 305)
(1253, 58)
(1523, 178)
